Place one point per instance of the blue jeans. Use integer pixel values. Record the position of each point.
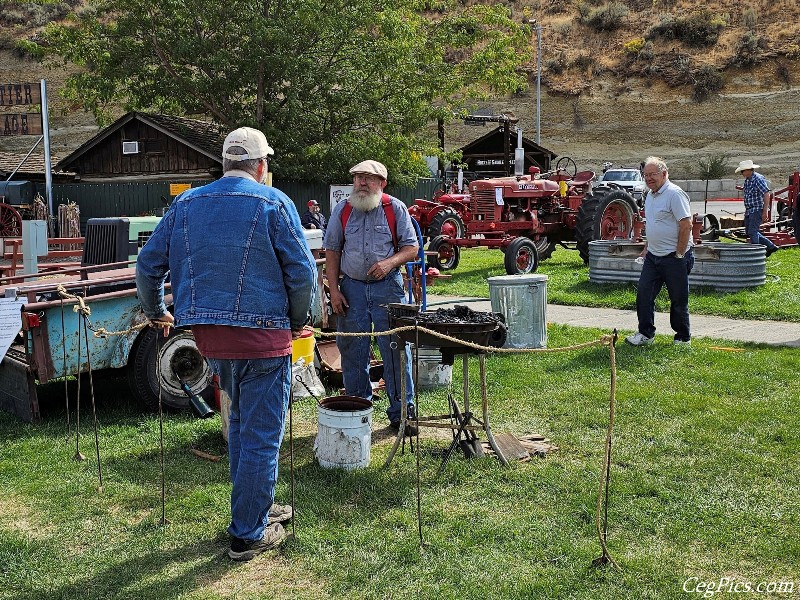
(259, 391)
(752, 222)
(367, 309)
(673, 272)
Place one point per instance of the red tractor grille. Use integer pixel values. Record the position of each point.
(483, 204)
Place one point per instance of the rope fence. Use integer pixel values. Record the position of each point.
(608, 340)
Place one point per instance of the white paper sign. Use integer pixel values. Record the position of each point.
(338, 193)
(10, 322)
(498, 196)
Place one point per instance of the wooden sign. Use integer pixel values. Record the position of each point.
(20, 94)
(21, 124)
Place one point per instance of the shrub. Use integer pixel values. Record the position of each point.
(605, 18)
(784, 74)
(714, 166)
(634, 46)
(792, 51)
(750, 18)
(583, 61)
(699, 29)
(556, 65)
(748, 50)
(707, 81)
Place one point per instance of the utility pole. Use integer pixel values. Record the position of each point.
(535, 25)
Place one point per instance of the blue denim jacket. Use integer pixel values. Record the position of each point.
(236, 255)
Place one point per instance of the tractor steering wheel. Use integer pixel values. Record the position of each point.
(566, 164)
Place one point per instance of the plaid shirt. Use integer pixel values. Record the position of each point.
(753, 192)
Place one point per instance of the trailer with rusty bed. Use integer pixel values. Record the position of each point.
(54, 342)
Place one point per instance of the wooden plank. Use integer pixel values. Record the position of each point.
(21, 124)
(510, 446)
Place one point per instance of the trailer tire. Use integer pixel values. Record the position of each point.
(604, 216)
(521, 257)
(447, 256)
(446, 222)
(149, 369)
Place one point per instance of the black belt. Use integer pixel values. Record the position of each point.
(372, 281)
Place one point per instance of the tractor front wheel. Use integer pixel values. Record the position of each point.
(447, 254)
(446, 222)
(604, 216)
(521, 257)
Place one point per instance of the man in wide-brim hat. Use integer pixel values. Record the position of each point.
(757, 200)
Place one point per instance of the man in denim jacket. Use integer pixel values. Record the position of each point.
(242, 278)
(365, 256)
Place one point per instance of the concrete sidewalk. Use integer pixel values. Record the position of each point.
(779, 333)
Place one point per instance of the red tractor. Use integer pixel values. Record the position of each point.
(526, 216)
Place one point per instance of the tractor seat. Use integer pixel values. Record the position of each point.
(582, 178)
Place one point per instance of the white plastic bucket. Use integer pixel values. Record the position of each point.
(427, 369)
(522, 300)
(344, 432)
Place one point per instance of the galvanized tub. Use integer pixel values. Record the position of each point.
(522, 300)
(723, 267)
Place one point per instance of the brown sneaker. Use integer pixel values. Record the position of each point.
(280, 513)
(243, 550)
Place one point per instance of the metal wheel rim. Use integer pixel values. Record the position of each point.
(617, 221)
(524, 260)
(178, 351)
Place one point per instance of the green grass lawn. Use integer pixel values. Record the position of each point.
(568, 283)
(704, 484)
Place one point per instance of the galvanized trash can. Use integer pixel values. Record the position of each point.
(522, 300)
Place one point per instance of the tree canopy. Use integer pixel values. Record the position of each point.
(330, 82)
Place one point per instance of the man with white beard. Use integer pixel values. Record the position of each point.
(368, 240)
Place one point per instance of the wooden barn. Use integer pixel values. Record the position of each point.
(492, 155)
(149, 147)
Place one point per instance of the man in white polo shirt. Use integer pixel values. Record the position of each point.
(668, 257)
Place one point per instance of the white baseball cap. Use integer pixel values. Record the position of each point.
(252, 141)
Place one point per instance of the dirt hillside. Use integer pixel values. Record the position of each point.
(619, 83)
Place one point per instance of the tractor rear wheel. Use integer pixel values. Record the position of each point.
(446, 222)
(447, 254)
(796, 219)
(604, 216)
(544, 247)
(153, 363)
(521, 257)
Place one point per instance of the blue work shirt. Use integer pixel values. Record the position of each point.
(368, 238)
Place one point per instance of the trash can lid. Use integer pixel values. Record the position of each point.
(517, 279)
